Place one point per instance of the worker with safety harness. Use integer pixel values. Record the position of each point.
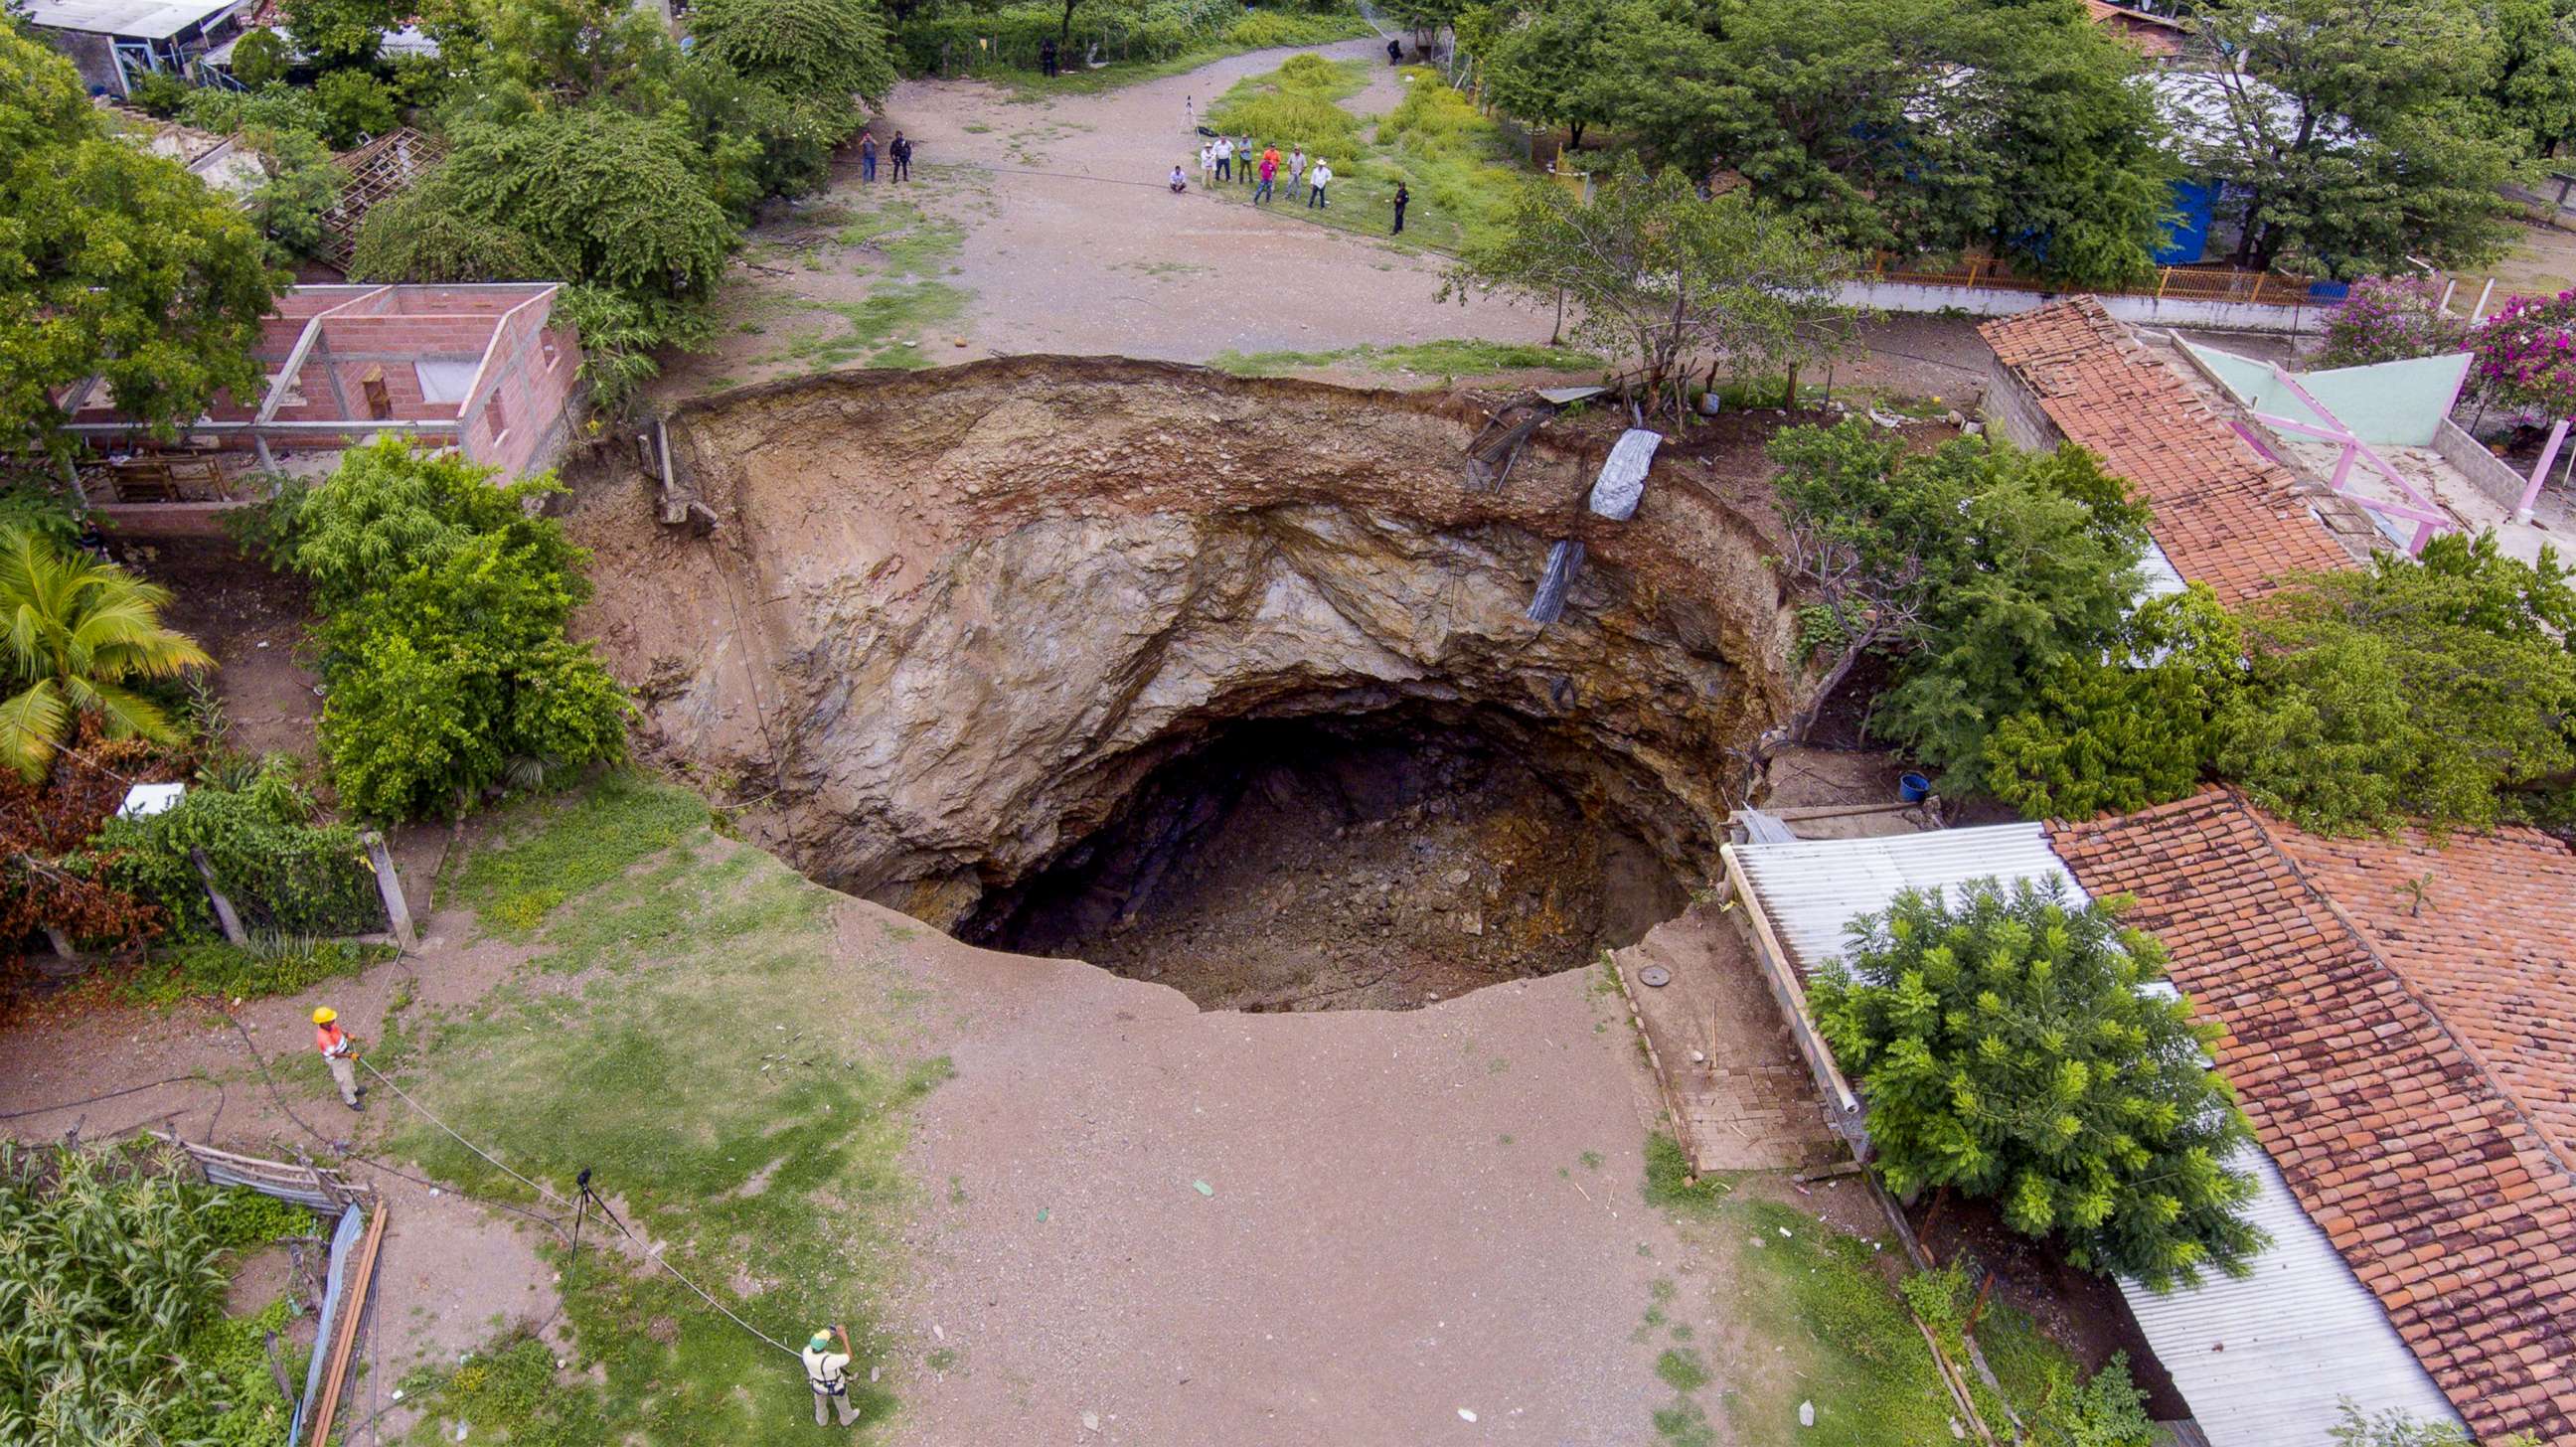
(828, 1371)
(340, 1053)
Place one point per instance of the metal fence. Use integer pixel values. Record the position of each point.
(2173, 283)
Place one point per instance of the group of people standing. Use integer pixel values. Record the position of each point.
(1231, 159)
(899, 152)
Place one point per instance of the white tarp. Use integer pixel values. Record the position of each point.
(1622, 484)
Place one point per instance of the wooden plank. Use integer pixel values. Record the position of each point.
(353, 1305)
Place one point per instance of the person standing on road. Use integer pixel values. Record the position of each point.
(1243, 158)
(1225, 158)
(867, 156)
(340, 1053)
(1296, 171)
(1269, 172)
(1403, 198)
(1323, 178)
(828, 1373)
(1394, 51)
(1207, 165)
(901, 154)
(1046, 57)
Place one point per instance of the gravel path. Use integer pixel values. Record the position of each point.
(1407, 1214)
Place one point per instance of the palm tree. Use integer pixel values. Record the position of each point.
(72, 630)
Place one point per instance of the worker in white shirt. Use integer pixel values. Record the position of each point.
(828, 1372)
(1323, 178)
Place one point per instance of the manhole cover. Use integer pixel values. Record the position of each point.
(1656, 975)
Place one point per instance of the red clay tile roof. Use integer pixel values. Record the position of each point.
(2151, 34)
(2411, 1068)
(2223, 515)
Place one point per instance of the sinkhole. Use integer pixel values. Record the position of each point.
(1370, 861)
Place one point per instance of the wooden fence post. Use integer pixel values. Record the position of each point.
(224, 915)
(389, 886)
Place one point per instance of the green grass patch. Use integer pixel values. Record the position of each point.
(879, 328)
(913, 242)
(551, 849)
(1455, 357)
(1855, 1351)
(1264, 30)
(268, 965)
(740, 1091)
(1682, 1370)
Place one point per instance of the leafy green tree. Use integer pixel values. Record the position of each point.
(568, 51)
(826, 51)
(390, 511)
(622, 200)
(298, 182)
(2396, 1427)
(262, 57)
(2353, 156)
(1906, 125)
(338, 32)
(421, 234)
(113, 263)
(355, 106)
(2008, 1047)
(273, 107)
(2141, 728)
(1978, 569)
(73, 633)
(1665, 280)
(1544, 62)
(448, 667)
(2535, 80)
(2441, 690)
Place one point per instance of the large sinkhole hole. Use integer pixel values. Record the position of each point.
(1375, 861)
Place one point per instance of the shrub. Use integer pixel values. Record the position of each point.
(271, 108)
(281, 867)
(1978, 569)
(355, 106)
(445, 650)
(271, 964)
(261, 58)
(2007, 1048)
(422, 235)
(2389, 319)
(2526, 354)
(157, 93)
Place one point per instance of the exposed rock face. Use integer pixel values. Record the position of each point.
(949, 620)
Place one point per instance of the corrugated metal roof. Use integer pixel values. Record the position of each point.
(2263, 1361)
(139, 19)
(1813, 888)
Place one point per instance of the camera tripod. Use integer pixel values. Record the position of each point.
(586, 1200)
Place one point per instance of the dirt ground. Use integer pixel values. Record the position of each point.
(1048, 221)
(255, 623)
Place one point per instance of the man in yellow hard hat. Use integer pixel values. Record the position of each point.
(340, 1053)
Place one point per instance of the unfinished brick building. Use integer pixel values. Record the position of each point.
(485, 368)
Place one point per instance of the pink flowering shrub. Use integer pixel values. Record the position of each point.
(2526, 354)
(2389, 319)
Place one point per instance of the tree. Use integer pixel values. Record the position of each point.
(1977, 569)
(73, 633)
(2008, 1047)
(261, 57)
(1544, 62)
(355, 106)
(2140, 728)
(620, 199)
(389, 511)
(421, 234)
(1906, 125)
(114, 263)
(2352, 156)
(2439, 690)
(338, 32)
(821, 50)
(2535, 79)
(1664, 279)
(298, 182)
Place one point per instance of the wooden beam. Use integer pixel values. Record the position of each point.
(344, 1332)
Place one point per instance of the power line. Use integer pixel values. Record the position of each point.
(95, 1099)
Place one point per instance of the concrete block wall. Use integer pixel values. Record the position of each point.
(519, 418)
(1916, 297)
(2485, 471)
(2013, 410)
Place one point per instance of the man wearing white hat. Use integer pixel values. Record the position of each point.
(828, 1372)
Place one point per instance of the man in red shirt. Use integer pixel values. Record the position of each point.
(340, 1053)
